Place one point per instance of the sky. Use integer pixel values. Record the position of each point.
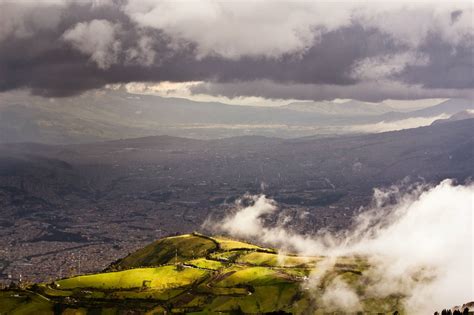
(260, 51)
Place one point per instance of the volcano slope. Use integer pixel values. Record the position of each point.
(197, 274)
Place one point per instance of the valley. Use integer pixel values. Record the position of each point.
(64, 204)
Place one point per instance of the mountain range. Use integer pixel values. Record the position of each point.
(116, 114)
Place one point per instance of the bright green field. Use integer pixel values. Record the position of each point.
(206, 264)
(165, 277)
(15, 302)
(227, 244)
(272, 260)
(168, 250)
(197, 274)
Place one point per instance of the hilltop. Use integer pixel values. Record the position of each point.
(198, 274)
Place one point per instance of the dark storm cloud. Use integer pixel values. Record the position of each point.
(455, 15)
(64, 49)
(51, 67)
(448, 66)
(328, 62)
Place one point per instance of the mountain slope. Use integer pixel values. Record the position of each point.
(449, 107)
(466, 114)
(223, 276)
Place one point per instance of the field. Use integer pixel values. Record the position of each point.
(198, 274)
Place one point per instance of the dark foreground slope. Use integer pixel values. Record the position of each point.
(201, 275)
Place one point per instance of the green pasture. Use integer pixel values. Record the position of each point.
(24, 303)
(168, 250)
(206, 264)
(165, 277)
(197, 274)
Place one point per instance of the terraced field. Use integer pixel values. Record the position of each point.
(197, 274)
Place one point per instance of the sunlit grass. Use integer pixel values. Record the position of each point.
(230, 244)
(274, 260)
(165, 277)
(195, 273)
(168, 250)
(206, 264)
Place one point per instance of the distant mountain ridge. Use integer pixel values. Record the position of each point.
(449, 107)
(116, 114)
(465, 114)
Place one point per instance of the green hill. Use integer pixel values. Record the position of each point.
(202, 275)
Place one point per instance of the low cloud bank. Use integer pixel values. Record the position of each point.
(395, 125)
(418, 240)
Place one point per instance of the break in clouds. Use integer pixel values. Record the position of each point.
(418, 240)
(286, 49)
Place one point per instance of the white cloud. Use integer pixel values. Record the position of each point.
(409, 105)
(143, 53)
(236, 28)
(247, 222)
(380, 67)
(96, 38)
(162, 32)
(24, 18)
(411, 22)
(13, 17)
(384, 126)
(184, 90)
(339, 296)
(420, 247)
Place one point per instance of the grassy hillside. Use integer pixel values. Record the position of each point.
(202, 275)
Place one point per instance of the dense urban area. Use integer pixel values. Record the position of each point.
(62, 205)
